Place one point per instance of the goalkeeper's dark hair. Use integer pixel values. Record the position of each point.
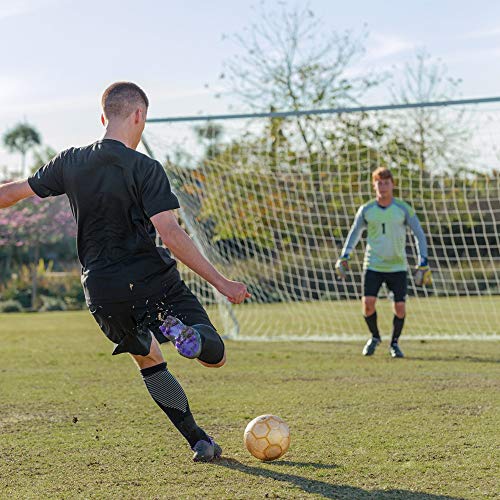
(120, 99)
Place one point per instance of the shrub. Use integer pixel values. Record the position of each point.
(10, 306)
(62, 285)
(52, 304)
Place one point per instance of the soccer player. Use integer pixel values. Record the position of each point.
(118, 197)
(385, 219)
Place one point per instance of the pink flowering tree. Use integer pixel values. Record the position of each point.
(33, 223)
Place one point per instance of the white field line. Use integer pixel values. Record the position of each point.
(351, 338)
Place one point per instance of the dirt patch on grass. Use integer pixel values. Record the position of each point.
(13, 419)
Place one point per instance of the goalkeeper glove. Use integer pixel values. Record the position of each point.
(423, 275)
(342, 266)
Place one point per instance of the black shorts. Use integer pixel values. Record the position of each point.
(129, 324)
(396, 283)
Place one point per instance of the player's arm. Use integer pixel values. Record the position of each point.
(423, 275)
(12, 192)
(181, 245)
(359, 224)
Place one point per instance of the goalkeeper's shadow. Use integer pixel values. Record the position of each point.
(322, 488)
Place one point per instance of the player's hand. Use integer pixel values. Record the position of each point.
(235, 291)
(341, 267)
(423, 276)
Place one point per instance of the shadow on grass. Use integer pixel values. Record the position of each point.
(326, 490)
(456, 359)
(314, 465)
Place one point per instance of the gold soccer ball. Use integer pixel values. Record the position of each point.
(267, 437)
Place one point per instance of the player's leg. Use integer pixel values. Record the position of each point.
(370, 315)
(169, 395)
(372, 281)
(397, 283)
(213, 353)
(369, 302)
(120, 324)
(188, 326)
(194, 339)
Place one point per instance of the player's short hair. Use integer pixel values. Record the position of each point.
(382, 173)
(120, 99)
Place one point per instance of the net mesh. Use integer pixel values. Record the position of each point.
(270, 201)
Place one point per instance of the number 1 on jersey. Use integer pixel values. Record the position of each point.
(383, 227)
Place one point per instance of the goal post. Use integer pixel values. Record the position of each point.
(270, 198)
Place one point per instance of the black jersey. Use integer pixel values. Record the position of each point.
(113, 192)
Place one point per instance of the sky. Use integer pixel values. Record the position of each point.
(58, 55)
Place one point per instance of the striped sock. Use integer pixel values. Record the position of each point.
(168, 394)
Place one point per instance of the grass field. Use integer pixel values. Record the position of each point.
(431, 317)
(78, 423)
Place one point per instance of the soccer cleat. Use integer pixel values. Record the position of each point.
(395, 351)
(370, 346)
(205, 451)
(186, 339)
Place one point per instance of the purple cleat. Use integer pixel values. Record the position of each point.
(186, 339)
(205, 451)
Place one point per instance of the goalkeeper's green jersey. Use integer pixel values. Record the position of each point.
(386, 235)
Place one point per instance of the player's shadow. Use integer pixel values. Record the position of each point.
(324, 489)
(314, 465)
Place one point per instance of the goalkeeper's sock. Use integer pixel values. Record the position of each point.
(397, 327)
(168, 394)
(371, 321)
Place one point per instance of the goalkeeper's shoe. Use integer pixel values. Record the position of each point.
(423, 276)
(205, 451)
(341, 267)
(186, 339)
(395, 351)
(370, 346)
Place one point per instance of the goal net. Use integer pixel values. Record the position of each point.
(269, 200)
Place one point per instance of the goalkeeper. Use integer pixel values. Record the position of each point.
(118, 197)
(385, 219)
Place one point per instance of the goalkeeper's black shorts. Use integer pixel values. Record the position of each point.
(129, 324)
(396, 283)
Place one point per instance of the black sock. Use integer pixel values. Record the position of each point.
(171, 398)
(397, 327)
(371, 321)
(212, 346)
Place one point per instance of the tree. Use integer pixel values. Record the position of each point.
(4, 173)
(439, 134)
(290, 61)
(41, 156)
(31, 224)
(209, 135)
(20, 139)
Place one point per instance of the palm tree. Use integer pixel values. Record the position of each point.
(20, 139)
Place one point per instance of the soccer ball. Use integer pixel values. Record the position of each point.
(267, 437)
